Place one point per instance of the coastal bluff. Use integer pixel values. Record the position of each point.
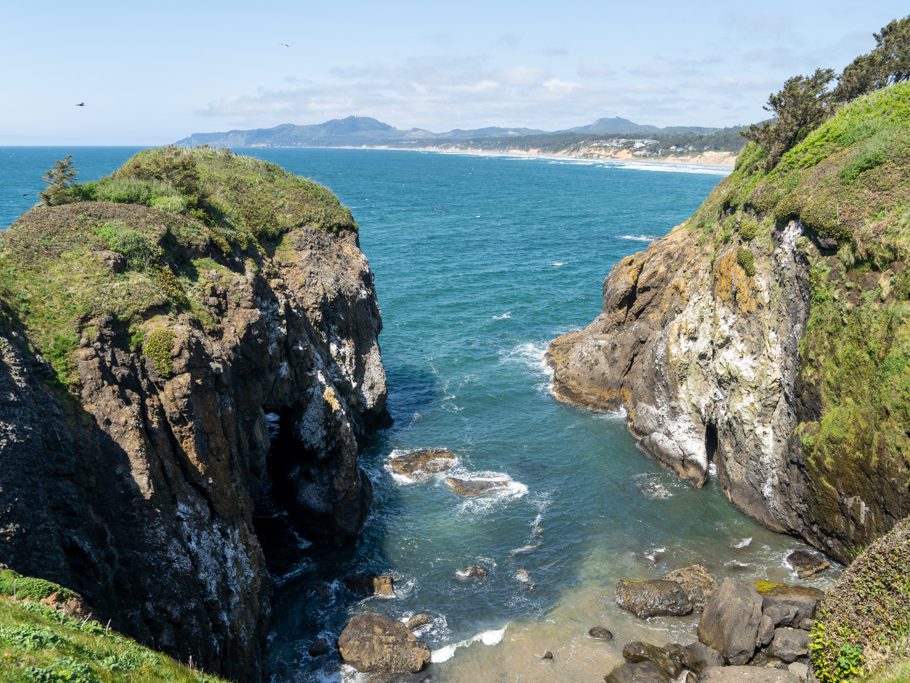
(186, 346)
(766, 341)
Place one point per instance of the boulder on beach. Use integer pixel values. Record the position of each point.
(696, 581)
(423, 463)
(788, 605)
(638, 651)
(730, 621)
(700, 656)
(652, 598)
(476, 487)
(789, 644)
(373, 643)
(600, 633)
(746, 674)
(640, 672)
(806, 564)
(418, 621)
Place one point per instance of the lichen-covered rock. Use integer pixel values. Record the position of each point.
(374, 643)
(788, 604)
(730, 621)
(228, 362)
(696, 581)
(652, 598)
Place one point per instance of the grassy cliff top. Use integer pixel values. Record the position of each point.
(39, 642)
(146, 241)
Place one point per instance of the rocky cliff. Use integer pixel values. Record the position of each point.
(767, 339)
(187, 346)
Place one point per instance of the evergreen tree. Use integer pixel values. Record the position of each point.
(59, 178)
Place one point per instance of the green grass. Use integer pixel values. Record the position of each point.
(163, 211)
(39, 643)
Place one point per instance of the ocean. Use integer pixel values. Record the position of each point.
(479, 263)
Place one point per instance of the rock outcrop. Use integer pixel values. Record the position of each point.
(374, 643)
(757, 339)
(225, 366)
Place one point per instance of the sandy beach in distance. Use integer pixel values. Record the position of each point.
(713, 160)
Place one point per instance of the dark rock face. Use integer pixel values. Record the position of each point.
(730, 621)
(365, 584)
(373, 643)
(139, 489)
(652, 598)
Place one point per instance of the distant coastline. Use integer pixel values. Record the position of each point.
(707, 160)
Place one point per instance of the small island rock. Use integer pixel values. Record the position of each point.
(652, 598)
(373, 643)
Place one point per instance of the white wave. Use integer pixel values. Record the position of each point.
(533, 356)
(653, 553)
(405, 480)
(612, 415)
(537, 526)
(736, 564)
(637, 238)
(558, 264)
(509, 491)
(489, 638)
(742, 543)
(651, 488)
(504, 316)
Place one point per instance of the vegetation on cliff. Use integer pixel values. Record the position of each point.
(848, 183)
(147, 241)
(862, 626)
(40, 642)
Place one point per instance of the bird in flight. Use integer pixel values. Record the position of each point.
(284, 44)
(81, 104)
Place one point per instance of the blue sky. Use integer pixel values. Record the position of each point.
(151, 73)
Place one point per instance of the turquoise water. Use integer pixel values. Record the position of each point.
(480, 262)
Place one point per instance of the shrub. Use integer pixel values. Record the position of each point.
(746, 260)
(158, 345)
(140, 252)
(59, 179)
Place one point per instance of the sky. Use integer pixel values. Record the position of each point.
(152, 73)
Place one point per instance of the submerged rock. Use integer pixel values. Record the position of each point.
(374, 643)
(367, 583)
(475, 571)
(418, 621)
(318, 648)
(652, 598)
(424, 463)
(730, 621)
(696, 581)
(476, 487)
(806, 564)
